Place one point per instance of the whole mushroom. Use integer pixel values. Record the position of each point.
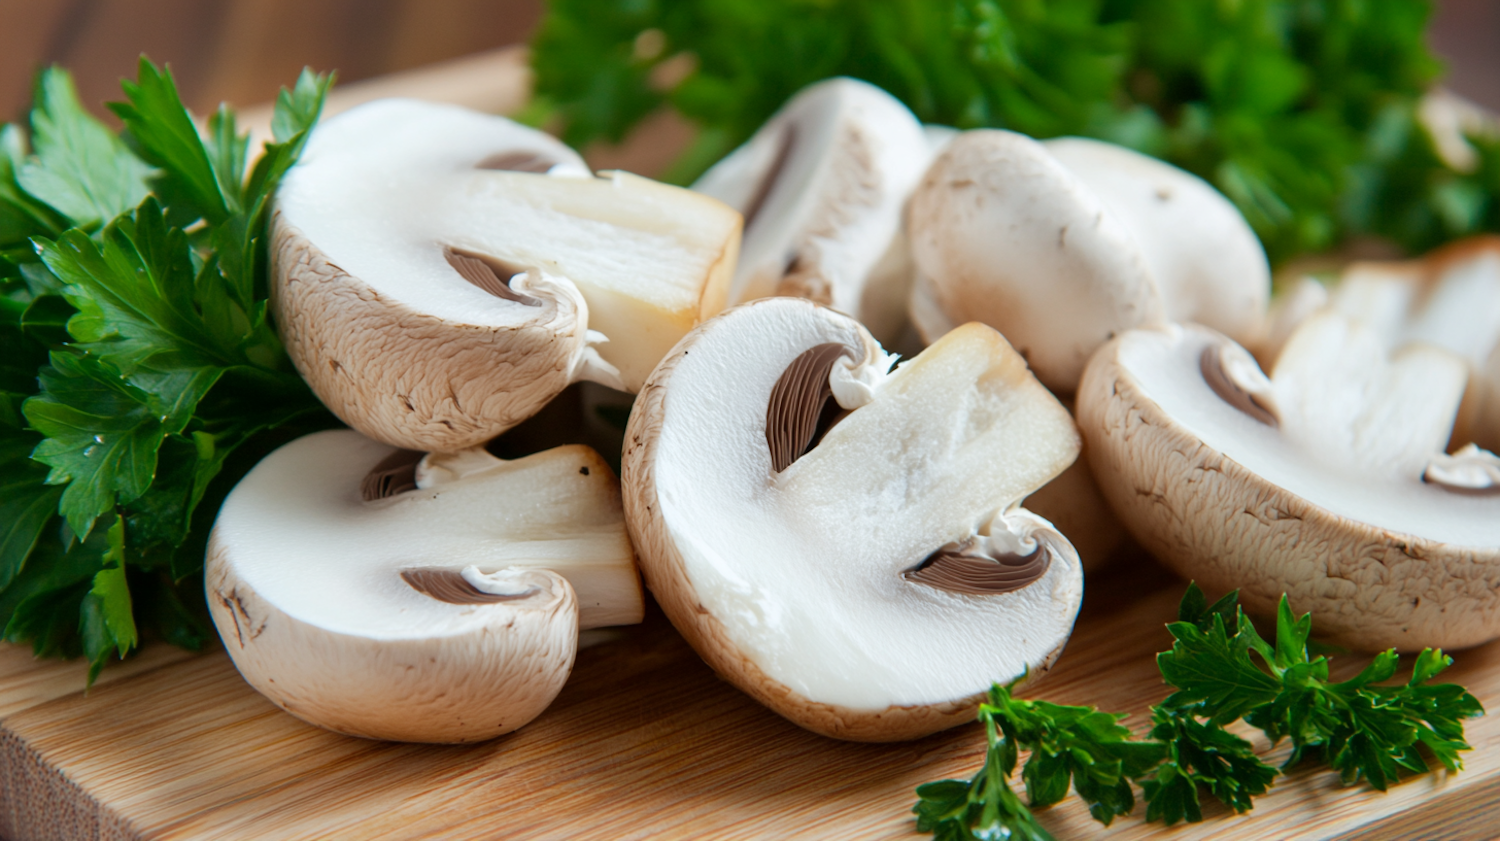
(1062, 244)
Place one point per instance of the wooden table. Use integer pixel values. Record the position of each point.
(644, 742)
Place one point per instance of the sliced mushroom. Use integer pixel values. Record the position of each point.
(1347, 502)
(1062, 244)
(439, 601)
(857, 567)
(441, 274)
(1449, 299)
(822, 186)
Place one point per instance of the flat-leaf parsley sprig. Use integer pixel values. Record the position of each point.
(139, 371)
(1223, 671)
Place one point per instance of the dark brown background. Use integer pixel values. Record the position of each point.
(242, 51)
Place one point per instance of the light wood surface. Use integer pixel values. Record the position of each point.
(644, 742)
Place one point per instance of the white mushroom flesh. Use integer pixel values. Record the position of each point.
(1358, 423)
(362, 603)
(805, 567)
(386, 190)
(556, 510)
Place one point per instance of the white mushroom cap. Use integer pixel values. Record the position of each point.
(445, 612)
(801, 585)
(1063, 243)
(1208, 264)
(1318, 482)
(822, 186)
(440, 274)
(1008, 236)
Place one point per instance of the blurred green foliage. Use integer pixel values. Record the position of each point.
(1303, 112)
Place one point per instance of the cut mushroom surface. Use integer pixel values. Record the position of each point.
(438, 599)
(822, 186)
(440, 274)
(1325, 500)
(837, 576)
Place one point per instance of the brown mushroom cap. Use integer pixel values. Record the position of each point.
(1383, 560)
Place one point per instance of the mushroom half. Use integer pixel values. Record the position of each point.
(441, 274)
(1061, 244)
(1327, 481)
(846, 544)
(380, 593)
(822, 186)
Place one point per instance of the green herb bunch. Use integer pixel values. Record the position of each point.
(1303, 112)
(139, 373)
(1363, 729)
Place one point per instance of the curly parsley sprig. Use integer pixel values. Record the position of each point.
(1361, 728)
(139, 371)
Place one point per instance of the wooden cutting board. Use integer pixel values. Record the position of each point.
(644, 741)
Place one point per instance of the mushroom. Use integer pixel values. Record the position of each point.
(842, 543)
(384, 594)
(822, 186)
(1449, 299)
(440, 274)
(1061, 244)
(1327, 481)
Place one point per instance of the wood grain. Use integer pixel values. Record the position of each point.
(241, 51)
(643, 743)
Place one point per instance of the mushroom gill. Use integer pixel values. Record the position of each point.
(963, 569)
(396, 473)
(1233, 374)
(802, 407)
(487, 277)
(519, 161)
(450, 586)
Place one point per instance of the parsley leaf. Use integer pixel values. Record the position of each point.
(107, 620)
(985, 807)
(138, 297)
(102, 434)
(21, 216)
(164, 132)
(81, 169)
(141, 375)
(1364, 729)
(1302, 112)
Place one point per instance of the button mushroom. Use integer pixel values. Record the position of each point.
(822, 186)
(384, 594)
(842, 543)
(439, 274)
(1327, 480)
(1449, 299)
(1060, 245)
